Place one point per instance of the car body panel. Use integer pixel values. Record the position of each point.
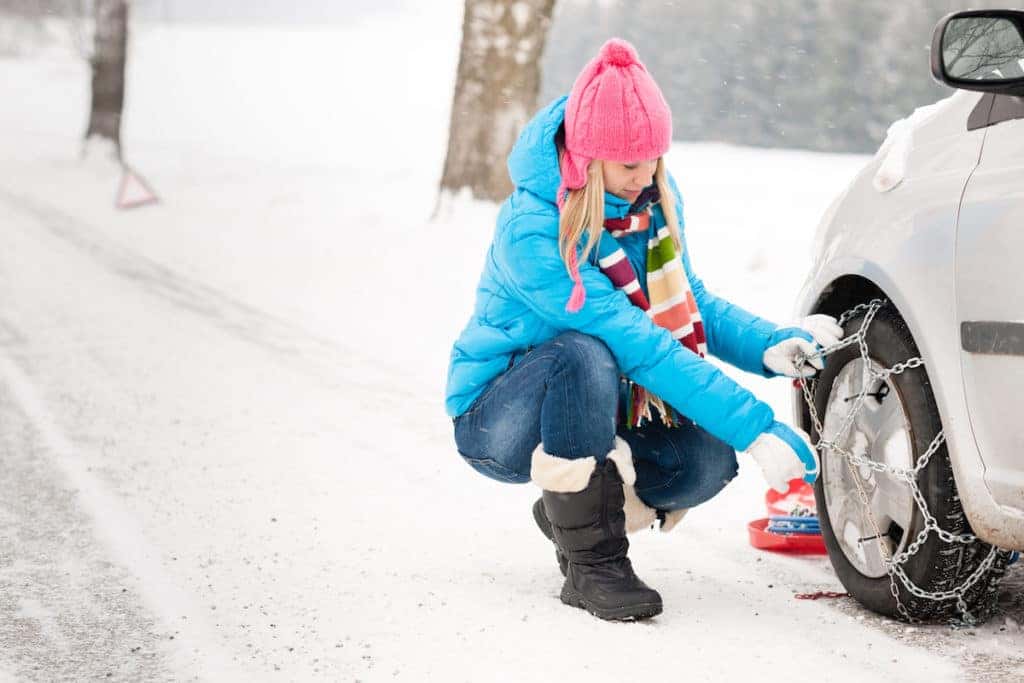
(904, 241)
(990, 289)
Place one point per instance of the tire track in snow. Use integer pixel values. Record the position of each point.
(99, 260)
(114, 526)
(64, 607)
(376, 385)
(325, 357)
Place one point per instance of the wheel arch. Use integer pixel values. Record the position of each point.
(837, 297)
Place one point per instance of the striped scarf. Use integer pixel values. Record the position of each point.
(671, 303)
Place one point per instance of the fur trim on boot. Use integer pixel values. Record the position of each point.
(569, 476)
(561, 475)
(638, 515)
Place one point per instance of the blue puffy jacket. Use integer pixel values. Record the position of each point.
(524, 288)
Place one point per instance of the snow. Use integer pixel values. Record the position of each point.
(223, 433)
(899, 140)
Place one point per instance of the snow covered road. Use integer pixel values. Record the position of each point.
(202, 489)
(224, 455)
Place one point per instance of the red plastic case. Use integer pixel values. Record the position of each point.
(799, 496)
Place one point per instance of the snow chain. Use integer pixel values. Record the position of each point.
(907, 476)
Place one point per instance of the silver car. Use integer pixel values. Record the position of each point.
(921, 495)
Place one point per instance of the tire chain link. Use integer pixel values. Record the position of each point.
(894, 563)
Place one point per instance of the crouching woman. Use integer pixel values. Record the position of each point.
(582, 367)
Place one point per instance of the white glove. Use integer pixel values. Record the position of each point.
(824, 328)
(784, 454)
(788, 345)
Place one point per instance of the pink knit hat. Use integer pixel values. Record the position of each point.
(615, 112)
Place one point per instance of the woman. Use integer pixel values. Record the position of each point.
(582, 366)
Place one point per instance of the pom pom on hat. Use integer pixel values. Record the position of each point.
(618, 52)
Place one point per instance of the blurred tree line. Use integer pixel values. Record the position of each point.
(827, 75)
(38, 8)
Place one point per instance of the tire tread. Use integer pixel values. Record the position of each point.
(937, 566)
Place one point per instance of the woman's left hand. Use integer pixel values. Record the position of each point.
(788, 345)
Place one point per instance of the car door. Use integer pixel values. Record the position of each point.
(990, 301)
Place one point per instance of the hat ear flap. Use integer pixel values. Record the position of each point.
(573, 168)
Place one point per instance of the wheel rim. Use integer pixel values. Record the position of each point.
(880, 432)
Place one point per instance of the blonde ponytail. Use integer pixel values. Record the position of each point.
(583, 212)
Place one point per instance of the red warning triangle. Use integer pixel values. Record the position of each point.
(134, 190)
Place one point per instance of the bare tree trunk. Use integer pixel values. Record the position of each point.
(495, 91)
(108, 60)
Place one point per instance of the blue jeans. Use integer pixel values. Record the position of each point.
(565, 395)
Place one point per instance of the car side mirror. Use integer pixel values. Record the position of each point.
(980, 50)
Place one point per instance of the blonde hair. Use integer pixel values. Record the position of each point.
(583, 212)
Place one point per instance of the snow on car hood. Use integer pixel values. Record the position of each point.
(899, 140)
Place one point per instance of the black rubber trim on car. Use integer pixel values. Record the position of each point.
(979, 115)
(992, 337)
(993, 108)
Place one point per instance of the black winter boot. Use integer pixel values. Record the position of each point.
(667, 520)
(589, 528)
(541, 517)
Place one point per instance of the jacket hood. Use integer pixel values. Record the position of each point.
(533, 162)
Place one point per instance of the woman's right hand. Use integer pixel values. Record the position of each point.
(784, 454)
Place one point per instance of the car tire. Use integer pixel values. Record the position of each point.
(937, 565)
